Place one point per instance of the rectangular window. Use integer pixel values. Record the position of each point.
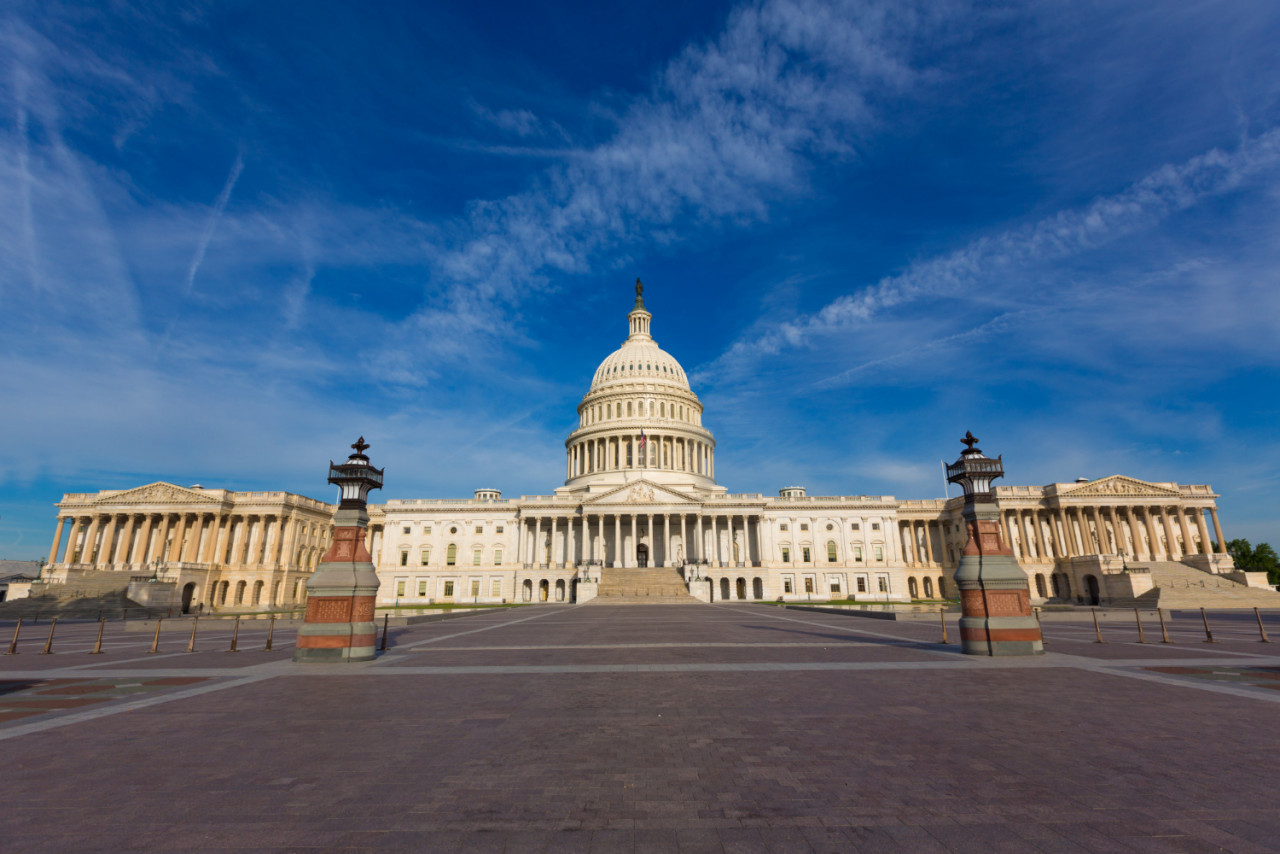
(856, 527)
(495, 588)
(479, 529)
(835, 585)
(808, 584)
(786, 585)
(497, 557)
(883, 583)
(862, 584)
(875, 526)
(857, 553)
(422, 587)
(783, 526)
(879, 553)
(404, 558)
(499, 529)
(475, 587)
(426, 556)
(448, 590)
(399, 588)
(426, 530)
(805, 552)
(786, 555)
(804, 526)
(475, 557)
(407, 529)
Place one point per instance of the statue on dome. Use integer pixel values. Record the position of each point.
(639, 293)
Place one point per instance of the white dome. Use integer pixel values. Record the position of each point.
(640, 360)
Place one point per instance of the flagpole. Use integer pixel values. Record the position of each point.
(945, 493)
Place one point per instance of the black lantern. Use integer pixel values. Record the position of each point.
(975, 471)
(355, 478)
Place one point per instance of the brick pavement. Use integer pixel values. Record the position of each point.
(692, 728)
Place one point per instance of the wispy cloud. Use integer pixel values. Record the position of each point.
(215, 216)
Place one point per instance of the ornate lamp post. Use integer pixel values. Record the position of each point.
(994, 597)
(341, 592)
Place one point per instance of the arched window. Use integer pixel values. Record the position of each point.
(911, 587)
(928, 588)
(451, 557)
(831, 551)
(629, 413)
(1040, 589)
(240, 592)
(662, 410)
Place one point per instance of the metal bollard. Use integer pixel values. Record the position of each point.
(1208, 634)
(386, 618)
(13, 644)
(97, 645)
(235, 635)
(943, 614)
(48, 644)
(1097, 628)
(155, 641)
(1039, 627)
(271, 630)
(1164, 632)
(1262, 630)
(191, 644)
(1142, 637)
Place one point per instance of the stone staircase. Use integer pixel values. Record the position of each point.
(1180, 586)
(655, 586)
(85, 597)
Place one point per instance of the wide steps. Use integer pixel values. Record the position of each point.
(1180, 586)
(656, 586)
(110, 606)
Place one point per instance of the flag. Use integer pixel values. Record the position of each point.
(643, 440)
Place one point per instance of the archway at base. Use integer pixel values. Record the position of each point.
(188, 594)
(642, 555)
(1091, 583)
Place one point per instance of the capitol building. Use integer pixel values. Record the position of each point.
(640, 501)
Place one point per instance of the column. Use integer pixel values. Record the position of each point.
(928, 545)
(142, 548)
(1040, 544)
(617, 537)
(57, 540)
(684, 539)
(570, 557)
(237, 525)
(70, 550)
(90, 540)
(290, 537)
(555, 524)
(190, 552)
(715, 540)
(222, 527)
(760, 541)
(1104, 545)
(537, 541)
(1153, 545)
(1187, 545)
(1171, 547)
(1204, 531)
(1066, 533)
(697, 536)
(174, 552)
(108, 541)
(1217, 529)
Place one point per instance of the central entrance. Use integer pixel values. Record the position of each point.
(642, 555)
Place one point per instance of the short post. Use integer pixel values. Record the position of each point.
(271, 630)
(386, 618)
(235, 635)
(155, 641)
(97, 645)
(1142, 637)
(1262, 630)
(48, 644)
(1097, 629)
(1208, 634)
(1164, 632)
(1036, 611)
(13, 644)
(191, 644)
(943, 614)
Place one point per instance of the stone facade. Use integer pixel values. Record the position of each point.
(640, 489)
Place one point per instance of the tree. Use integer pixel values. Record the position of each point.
(1261, 558)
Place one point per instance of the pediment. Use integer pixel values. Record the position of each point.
(641, 492)
(157, 493)
(1117, 485)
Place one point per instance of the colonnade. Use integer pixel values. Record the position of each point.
(137, 540)
(666, 452)
(615, 539)
(916, 538)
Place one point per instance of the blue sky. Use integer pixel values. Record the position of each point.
(233, 236)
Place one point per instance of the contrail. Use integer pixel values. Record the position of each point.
(214, 218)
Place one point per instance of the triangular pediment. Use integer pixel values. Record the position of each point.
(641, 492)
(1117, 484)
(157, 493)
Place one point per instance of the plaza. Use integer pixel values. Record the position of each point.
(705, 727)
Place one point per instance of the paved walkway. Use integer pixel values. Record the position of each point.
(680, 728)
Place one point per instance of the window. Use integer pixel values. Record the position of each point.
(497, 557)
(879, 553)
(857, 527)
(498, 529)
(783, 526)
(495, 588)
(448, 590)
(786, 555)
(479, 529)
(830, 527)
(453, 530)
(875, 526)
(831, 552)
(399, 589)
(451, 556)
(805, 552)
(883, 583)
(804, 526)
(862, 584)
(835, 584)
(426, 530)
(475, 557)
(475, 587)
(857, 553)
(786, 585)
(407, 529)
(426, 556)
(404, 558)
(808, 584)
